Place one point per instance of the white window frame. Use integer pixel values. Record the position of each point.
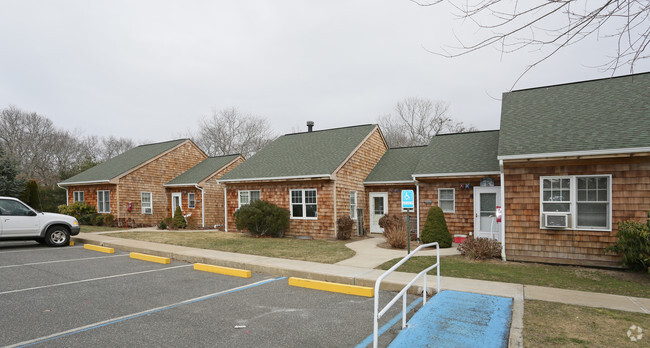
(453, 199)
(303, 203)
(573, 202)
(191, 200)
(107, 207)
(144, 206)
(354, 203)
(247, 194)
(77, 196)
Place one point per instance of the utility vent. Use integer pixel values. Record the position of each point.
(310, 126)
(557, 220)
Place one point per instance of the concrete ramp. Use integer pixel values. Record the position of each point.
(459, 319)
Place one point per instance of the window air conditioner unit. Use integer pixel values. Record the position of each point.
(557, 220)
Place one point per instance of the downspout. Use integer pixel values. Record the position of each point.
(202, 205)
(66, 193)
(503, 209)
(335, 210)
(225, 207)
(417, 194)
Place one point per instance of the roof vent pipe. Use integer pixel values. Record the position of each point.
(310, 126)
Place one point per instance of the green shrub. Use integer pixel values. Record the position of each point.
(394, 230)
(480, 248)
(162, 225)
(77, 209)
(435, 229)
(344, 230)
(179, 220)
(633, 244)
(108, 220)
(262, 218)
(98, 219)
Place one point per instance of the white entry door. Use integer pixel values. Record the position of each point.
(378, 208)
(486, 200)
(176, 202)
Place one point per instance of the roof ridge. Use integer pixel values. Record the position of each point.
(579, 82)
(406, 147)
(229, 155)
(164, 142)
(470, 132)
(331, 129)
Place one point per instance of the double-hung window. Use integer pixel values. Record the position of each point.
(248, 197)
(104, 201)
(191, 200)
(78, 196)
(447, 200)
(353, 205)
(584, 199)
(304, 204)
(146, 202)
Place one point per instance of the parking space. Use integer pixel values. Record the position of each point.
(63, 297)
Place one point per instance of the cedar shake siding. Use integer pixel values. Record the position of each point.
(351, 175)
(526, 241)
(394, 192)
(279, 194)
(212, 200)
(461, 221)
(143, 169)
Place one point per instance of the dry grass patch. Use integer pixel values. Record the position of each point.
(323, 251)
(548, 324)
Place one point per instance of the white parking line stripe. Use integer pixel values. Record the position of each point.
(139, 314)
(40, 249)
(57, 261)
(93, 279)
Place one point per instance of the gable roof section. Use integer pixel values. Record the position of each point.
(202, 171)
(396, 166)
(122, 163)
(472, 153)
(302, 155)
(591, 117)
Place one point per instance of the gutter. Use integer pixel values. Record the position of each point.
(202, 205)
(324, 176)
(416, 176)
(66, 193)
(417, 194)
(630, 150)
(83, 182)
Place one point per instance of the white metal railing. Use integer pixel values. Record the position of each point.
(378, 314)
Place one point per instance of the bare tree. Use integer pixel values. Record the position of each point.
(417, 120)
(551, 25)
(230, 131)
(113, 146)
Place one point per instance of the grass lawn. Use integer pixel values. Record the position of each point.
(91, 229)
(548, 324)
(287, 248)
(565, 277)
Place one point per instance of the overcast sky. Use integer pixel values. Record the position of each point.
(149, 70)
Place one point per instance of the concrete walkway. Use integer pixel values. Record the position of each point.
(369, 255)
(367, 275)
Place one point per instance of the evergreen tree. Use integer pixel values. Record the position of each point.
(435, 228)
(10, 185)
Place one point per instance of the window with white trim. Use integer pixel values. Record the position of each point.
(248, 197)
(585, 198)
(191, 200)
(304, 204)
(104, 201)
(447, 199)
(78, 196)
(146, 202)
(353, 205)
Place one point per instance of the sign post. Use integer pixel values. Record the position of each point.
(408, 203)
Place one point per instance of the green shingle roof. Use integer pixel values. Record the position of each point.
(122, 163)
(473, 152)
(202, 170)
(302, 154)
(593, 115)
(397, 164)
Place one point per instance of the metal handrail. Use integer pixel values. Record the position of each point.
(378, 314)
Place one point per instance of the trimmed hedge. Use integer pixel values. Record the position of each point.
(435, 229)
(262, 218)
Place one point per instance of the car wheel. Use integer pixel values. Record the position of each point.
(57, 236)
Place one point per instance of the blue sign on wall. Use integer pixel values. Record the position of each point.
(408, 199)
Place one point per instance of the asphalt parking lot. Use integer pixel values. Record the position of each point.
(72, 297)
